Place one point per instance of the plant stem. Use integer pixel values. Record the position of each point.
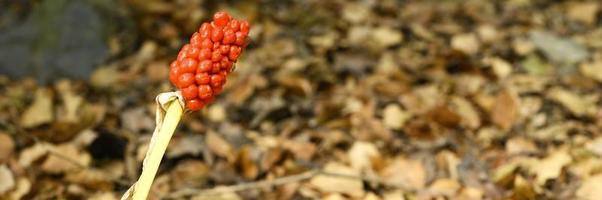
(156, 150)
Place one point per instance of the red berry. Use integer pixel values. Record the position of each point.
(206, 44)
(193, 52)
(205, 31)
(196, 40)
(188, 65)
(194, 104)
(221, 18)
(174, 73)
(202, 66)
(202, 78)
(224, 49)
(184, 80)
(205, 54)
(217, 34)
(216, 56)
(234, 25)
(234, 52)
(205, 66)
(244, 27)
(216, 67)
(189, 92)
(240, 38)
(217, 80)
(229, 37)
(204, 91)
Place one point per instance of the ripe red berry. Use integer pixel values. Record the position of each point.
(189, 92)
(204, 91)
(221, 18)
(201, 68)
(202, 78)
(188, 65)
(194, 104)
(205, 66)
(217, 34)
(229, 37)
(184, 80)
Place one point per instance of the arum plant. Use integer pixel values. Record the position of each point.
(199, 73)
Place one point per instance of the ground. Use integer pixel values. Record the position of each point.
(331, 100)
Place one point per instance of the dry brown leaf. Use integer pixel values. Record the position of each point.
(247, 164)
(65, 158)
(396, 173)
(444, 187)
(551, 166)
(577, 104)
(219, 146)
(71, 102)
(351, 187)
(33, 153)
(186, 144)
(362, 155)
(7, 147)
(519, 145)
(301, 150)
(394, 117)
(91, 178)
(189, 173)
(7, 180)
(523, 189)
(470, 193)
(103, 196)
(468, 113)
(23, 187)
(216, 112)
(584, 11)
(467, 43)
(505, 110)
(592, 70)
(40, 111)
(590, 188)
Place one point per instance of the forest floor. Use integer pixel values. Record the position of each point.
(331, 100)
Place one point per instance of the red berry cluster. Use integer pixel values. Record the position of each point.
(201, 68)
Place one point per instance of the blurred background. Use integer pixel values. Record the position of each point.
(403, 99)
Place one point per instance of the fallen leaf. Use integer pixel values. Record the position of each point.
(470, 193)
(185, 145)
(7, 147)
(189, 173)
(396, 173)
(348, 186)
(590, 188)
(444, 187)
(103, 196)
(577, 104)
(394, 117)
(23, 187)
(7, 180)
(584, 12)
(71, 102)
(219, 146)
(519, 145)
(40, 111)
(592, 70)
(523, 189)
(65, 158)
(467, 43)
(33, 153)
(551, 166)
(505, 110)
(362, 155)
(559, 49)
(216, 112)
(468, 113)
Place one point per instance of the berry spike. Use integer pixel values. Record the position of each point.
(201, 68)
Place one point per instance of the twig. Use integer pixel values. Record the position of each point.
(270, 183)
